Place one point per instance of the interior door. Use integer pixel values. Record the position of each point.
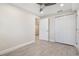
(65, 29)
(43, 29)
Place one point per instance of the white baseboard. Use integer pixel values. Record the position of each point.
(14, 48)
(52, 40)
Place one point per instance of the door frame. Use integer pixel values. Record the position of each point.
(48, 29)
(37, 21)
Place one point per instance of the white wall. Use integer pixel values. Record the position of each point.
(16, 26)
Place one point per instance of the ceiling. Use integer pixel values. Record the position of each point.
(48, 9)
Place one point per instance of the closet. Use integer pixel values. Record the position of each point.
(64, 28)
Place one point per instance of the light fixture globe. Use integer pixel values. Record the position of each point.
(62, 5)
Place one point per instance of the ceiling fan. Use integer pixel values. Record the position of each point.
(43, 5)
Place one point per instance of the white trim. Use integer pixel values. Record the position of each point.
(15, 47)
(52, 40)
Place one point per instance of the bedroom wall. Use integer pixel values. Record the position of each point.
(16, 26)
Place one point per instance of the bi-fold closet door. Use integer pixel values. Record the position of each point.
(65, 29)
